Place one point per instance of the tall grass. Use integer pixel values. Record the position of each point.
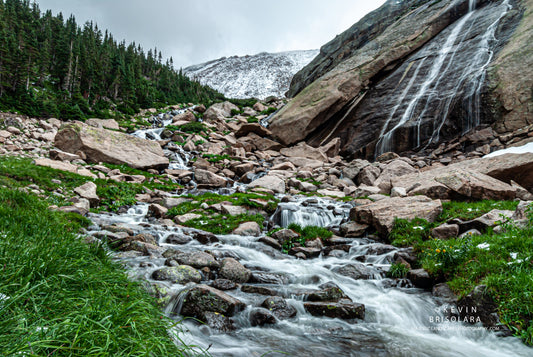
(60, 296)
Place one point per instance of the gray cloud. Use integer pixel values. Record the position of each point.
(195, 31)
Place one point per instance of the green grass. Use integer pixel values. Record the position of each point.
(236, 199)
(488, 259)
(397, 270)
(65, 297)
(252, 119)
(223, 224)
(21, 172)
(305, 233)
(213, 158)
(192, 127)
(473, 260)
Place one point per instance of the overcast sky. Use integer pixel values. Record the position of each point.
(196, 31)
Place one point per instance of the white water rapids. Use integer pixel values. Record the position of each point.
(399, 321)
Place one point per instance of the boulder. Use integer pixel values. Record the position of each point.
(197, 260)
(284, 235)
(445, 231)
(219, 111)
(218, 322)
(355, 271)
(420, 278)
(353, 229)
(64, 166)
(101, 145)
(248, 229)
(479, 306)
(103, 123)
(184, 218)
(476, 185)
(88, 191)
(269, 182)
(232, 270)
(368, 175)
(381, 214)
(233, 210)
(224, 284)
(279, 307)
(342, 309)
(181, 274)
(393, 169)
(261, 317)
(255, 128)
(208, 179)
(203, 298)
(304, 150)
(157, 210)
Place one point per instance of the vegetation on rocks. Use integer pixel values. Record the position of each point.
(502, 260)
(20, 172)
(304, 234)
(61, 296)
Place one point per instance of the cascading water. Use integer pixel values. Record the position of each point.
(311, 212)
(400, 321)
(431, 93)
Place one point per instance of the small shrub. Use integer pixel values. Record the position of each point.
(398, 271)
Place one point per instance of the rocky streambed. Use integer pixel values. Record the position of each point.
(238, 296)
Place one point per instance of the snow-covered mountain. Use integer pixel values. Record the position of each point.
(258, 76)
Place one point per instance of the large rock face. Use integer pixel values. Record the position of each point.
(411, 83)
(101, 145)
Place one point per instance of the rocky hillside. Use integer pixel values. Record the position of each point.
(257, 76)
(414, 74)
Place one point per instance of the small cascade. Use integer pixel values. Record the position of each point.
(400, 320)
(455, 75)
(314, 211)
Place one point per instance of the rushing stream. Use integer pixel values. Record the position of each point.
(399, 321)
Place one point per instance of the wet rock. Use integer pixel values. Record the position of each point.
(271, 242)
(381, 214)
(420, 278)
(231, 269)
(197, 260)
(261, 290)
(284, 235)
(218, 322)
(279, 307)
(328, 292)
(307, 252)
(314, 243)
(178, 239)
(443, 292)
(343, 309)
(270, 278)
(203, 298)
(261, 317)
(355, 271)
(224, 284)
(157, 210)
(445, 231)
(353, 229)
(248, 229)
(180, 274)
(205, 237)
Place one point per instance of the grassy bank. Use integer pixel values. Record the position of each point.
(60, 296)
(501, 261)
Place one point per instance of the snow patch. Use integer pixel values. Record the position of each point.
(513, 150)
(258, 76)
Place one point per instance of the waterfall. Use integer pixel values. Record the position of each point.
(425, 89)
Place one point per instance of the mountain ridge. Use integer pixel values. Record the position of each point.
(259, 76)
